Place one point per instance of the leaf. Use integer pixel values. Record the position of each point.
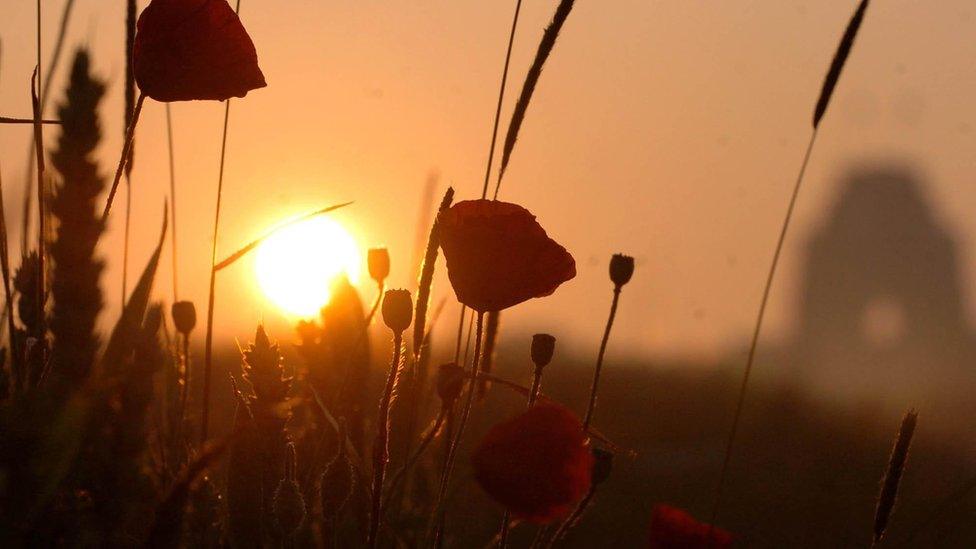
(254, 244)
(128, 328)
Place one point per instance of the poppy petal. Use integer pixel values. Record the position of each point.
(194, 50)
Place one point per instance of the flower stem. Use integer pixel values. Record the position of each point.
(425, 441)
(172, 196)
(720, 487)
(506, 517)
(599, 359)
(574, 517)
(381, 446)
(208, 346)
(462, 423)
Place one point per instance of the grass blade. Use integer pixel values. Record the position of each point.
(232, 258)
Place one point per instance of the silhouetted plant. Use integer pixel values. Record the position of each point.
(74, 286)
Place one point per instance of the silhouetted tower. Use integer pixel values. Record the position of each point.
(881, 313)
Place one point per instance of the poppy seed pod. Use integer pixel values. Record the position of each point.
(602, 465)
(621, 269)
(543, 346)
(338, 482)
(184, 316)
(450, 381)
(397, 310)
(378, 261)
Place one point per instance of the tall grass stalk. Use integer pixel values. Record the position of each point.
(501, 98)
(41, 204)
(549, 37)
(130, 100)
(439, 508)
(44, 91)
(172, 198)
(208, 345)
(823, 101)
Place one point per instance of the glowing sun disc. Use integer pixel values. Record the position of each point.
(297, 265)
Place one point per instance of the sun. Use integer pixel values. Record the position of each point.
(297, 265)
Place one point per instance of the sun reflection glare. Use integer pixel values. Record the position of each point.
(297, 265)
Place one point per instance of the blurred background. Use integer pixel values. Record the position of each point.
(670, 131)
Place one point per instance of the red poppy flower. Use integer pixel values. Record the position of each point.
(536, 464)
(672, 528)
(194, 49)
(499, 256)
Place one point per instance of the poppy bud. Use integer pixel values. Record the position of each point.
(450, 381)
(602, 464)
(184, 316)
(338, 479)
(543, 346)
(621, 269)
(289, 506)
(397, 310)
(378, 261)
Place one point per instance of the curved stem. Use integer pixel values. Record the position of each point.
(599, 359)
(462, 423)
(719, 489)
(425, 441)
(574, 517)
(381, 446)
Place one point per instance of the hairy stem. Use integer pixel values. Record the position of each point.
(381, 446)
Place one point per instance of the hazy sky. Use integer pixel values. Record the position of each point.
(669, 130)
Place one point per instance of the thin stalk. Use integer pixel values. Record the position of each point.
(381, 446)
(574, 517)
(462, 423)
(125, 238)
(126, 149)
(425, 441)
(507, 516)
(41, 203)
(501, 97)
(51, 67)
(172, 196)
(130, 97)
(208, 351)
(758, 328)
(599, 359)
(185, 374)
(5, 266)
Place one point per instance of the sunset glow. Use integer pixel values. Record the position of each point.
(296, 266)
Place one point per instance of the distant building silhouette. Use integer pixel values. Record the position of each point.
(881, 313)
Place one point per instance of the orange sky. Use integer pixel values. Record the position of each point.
(667, 130)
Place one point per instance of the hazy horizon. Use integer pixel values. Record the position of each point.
(709, 107)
